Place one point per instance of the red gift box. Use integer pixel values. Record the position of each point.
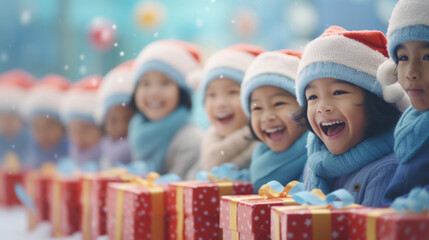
(7, 188)
(136, 212)
(93, 218)
(233, 235)
(65, 208)
(386, 223)
(37, 187)
(250, 214)
(310, 222)
(190, 200)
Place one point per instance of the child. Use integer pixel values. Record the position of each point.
(229, 138)
(78, 110)
(408, 45)
(49, 142)
(160, 133)
(14, 133)
(114, 113)
(268, 97)
(344, 106)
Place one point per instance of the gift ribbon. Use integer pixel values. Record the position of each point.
(337, 199)
(371, 222)
(56, 213)
(180, 208)
(274, 189)
(417, 201)
(11, 162)
(86, 218)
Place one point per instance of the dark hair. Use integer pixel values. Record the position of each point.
(382, 116)
(184, 100)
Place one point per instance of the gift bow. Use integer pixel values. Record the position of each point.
(417, 201)
(336, 199)
(274, 189)
(224, 172)
(152, 179)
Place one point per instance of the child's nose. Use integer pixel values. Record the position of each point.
(325, 107)
(268, 116)
(413, 71)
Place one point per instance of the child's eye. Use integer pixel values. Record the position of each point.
(339, 92)
(144, 83)
(255, 108)
(279, 104)
(233, 92)
(312, 97)
(211, 94)
(426, 57)
(165, 82)
(402, 58)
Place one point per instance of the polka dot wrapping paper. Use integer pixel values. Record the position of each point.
(194, 207)
(65, 207)
(8, 180)
(230, 235)
(93, 199)
(310, 222)
(136, 212)
(249, 214)
(387, 224)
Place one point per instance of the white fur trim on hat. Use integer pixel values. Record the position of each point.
(12, 99)
(274, 62)
(170, 53)
(81, 103)
(43, 98)
(342, 50)
(386, 73)
(231, 58)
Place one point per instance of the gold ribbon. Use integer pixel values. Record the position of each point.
(233, 209)
(11, 162)
(29, 184)
(86, 215)
(56, 207)
(322, 227)
(371, 222)
(267, 192)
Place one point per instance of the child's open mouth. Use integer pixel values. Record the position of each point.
(332, 128)
(275, 134)
(225, 119)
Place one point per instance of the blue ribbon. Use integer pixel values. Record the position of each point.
(278, 187)
(24, 197)
(168, 178)
(417, 201)
(337, 199)
(227, 170)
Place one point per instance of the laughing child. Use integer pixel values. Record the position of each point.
(351, 146)
(229, 138)
(268, 98)
(160, 133)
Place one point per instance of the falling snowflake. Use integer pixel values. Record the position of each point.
(121, 53)
(114, 26)
(82, 57)
(213, 1)
(207, 9)
(82, 70)
(155, 35)
(66, 67)
(3, 57)
(232, 21)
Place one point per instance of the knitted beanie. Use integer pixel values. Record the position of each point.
(231, 62)
(45, 98)
(351, 56)
(276, 69)
(409, 22)
(80, 101)
(116, 89)
(176, 59)
(14, 86)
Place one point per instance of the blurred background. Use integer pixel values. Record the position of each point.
(75, 38)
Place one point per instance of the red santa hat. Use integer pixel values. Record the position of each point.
(45, 98)
(14, 86)
(80, 101)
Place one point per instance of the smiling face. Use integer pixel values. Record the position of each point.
(336, 113)
(47, 132)
(270, 111)
(413, 72)
(84, 134)
(156, 95)
(223, 107)
(117, 120)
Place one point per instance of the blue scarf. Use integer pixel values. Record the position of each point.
(286, 166)
(411, 133)
(324, 167)
(150, 139)
(38, 156)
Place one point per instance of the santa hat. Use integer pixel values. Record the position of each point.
(115, 90)
(80, 101)
(231, 62)
(14, 86)
(276, 69)
(351, 56)
(409, 22)
(45, 98)
(177, 59)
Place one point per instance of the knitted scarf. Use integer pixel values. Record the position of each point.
(324, 167)
(150, 139)
(411, 133)
(235, 148)
(286, 166)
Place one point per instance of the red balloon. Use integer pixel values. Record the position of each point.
(102, 34)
